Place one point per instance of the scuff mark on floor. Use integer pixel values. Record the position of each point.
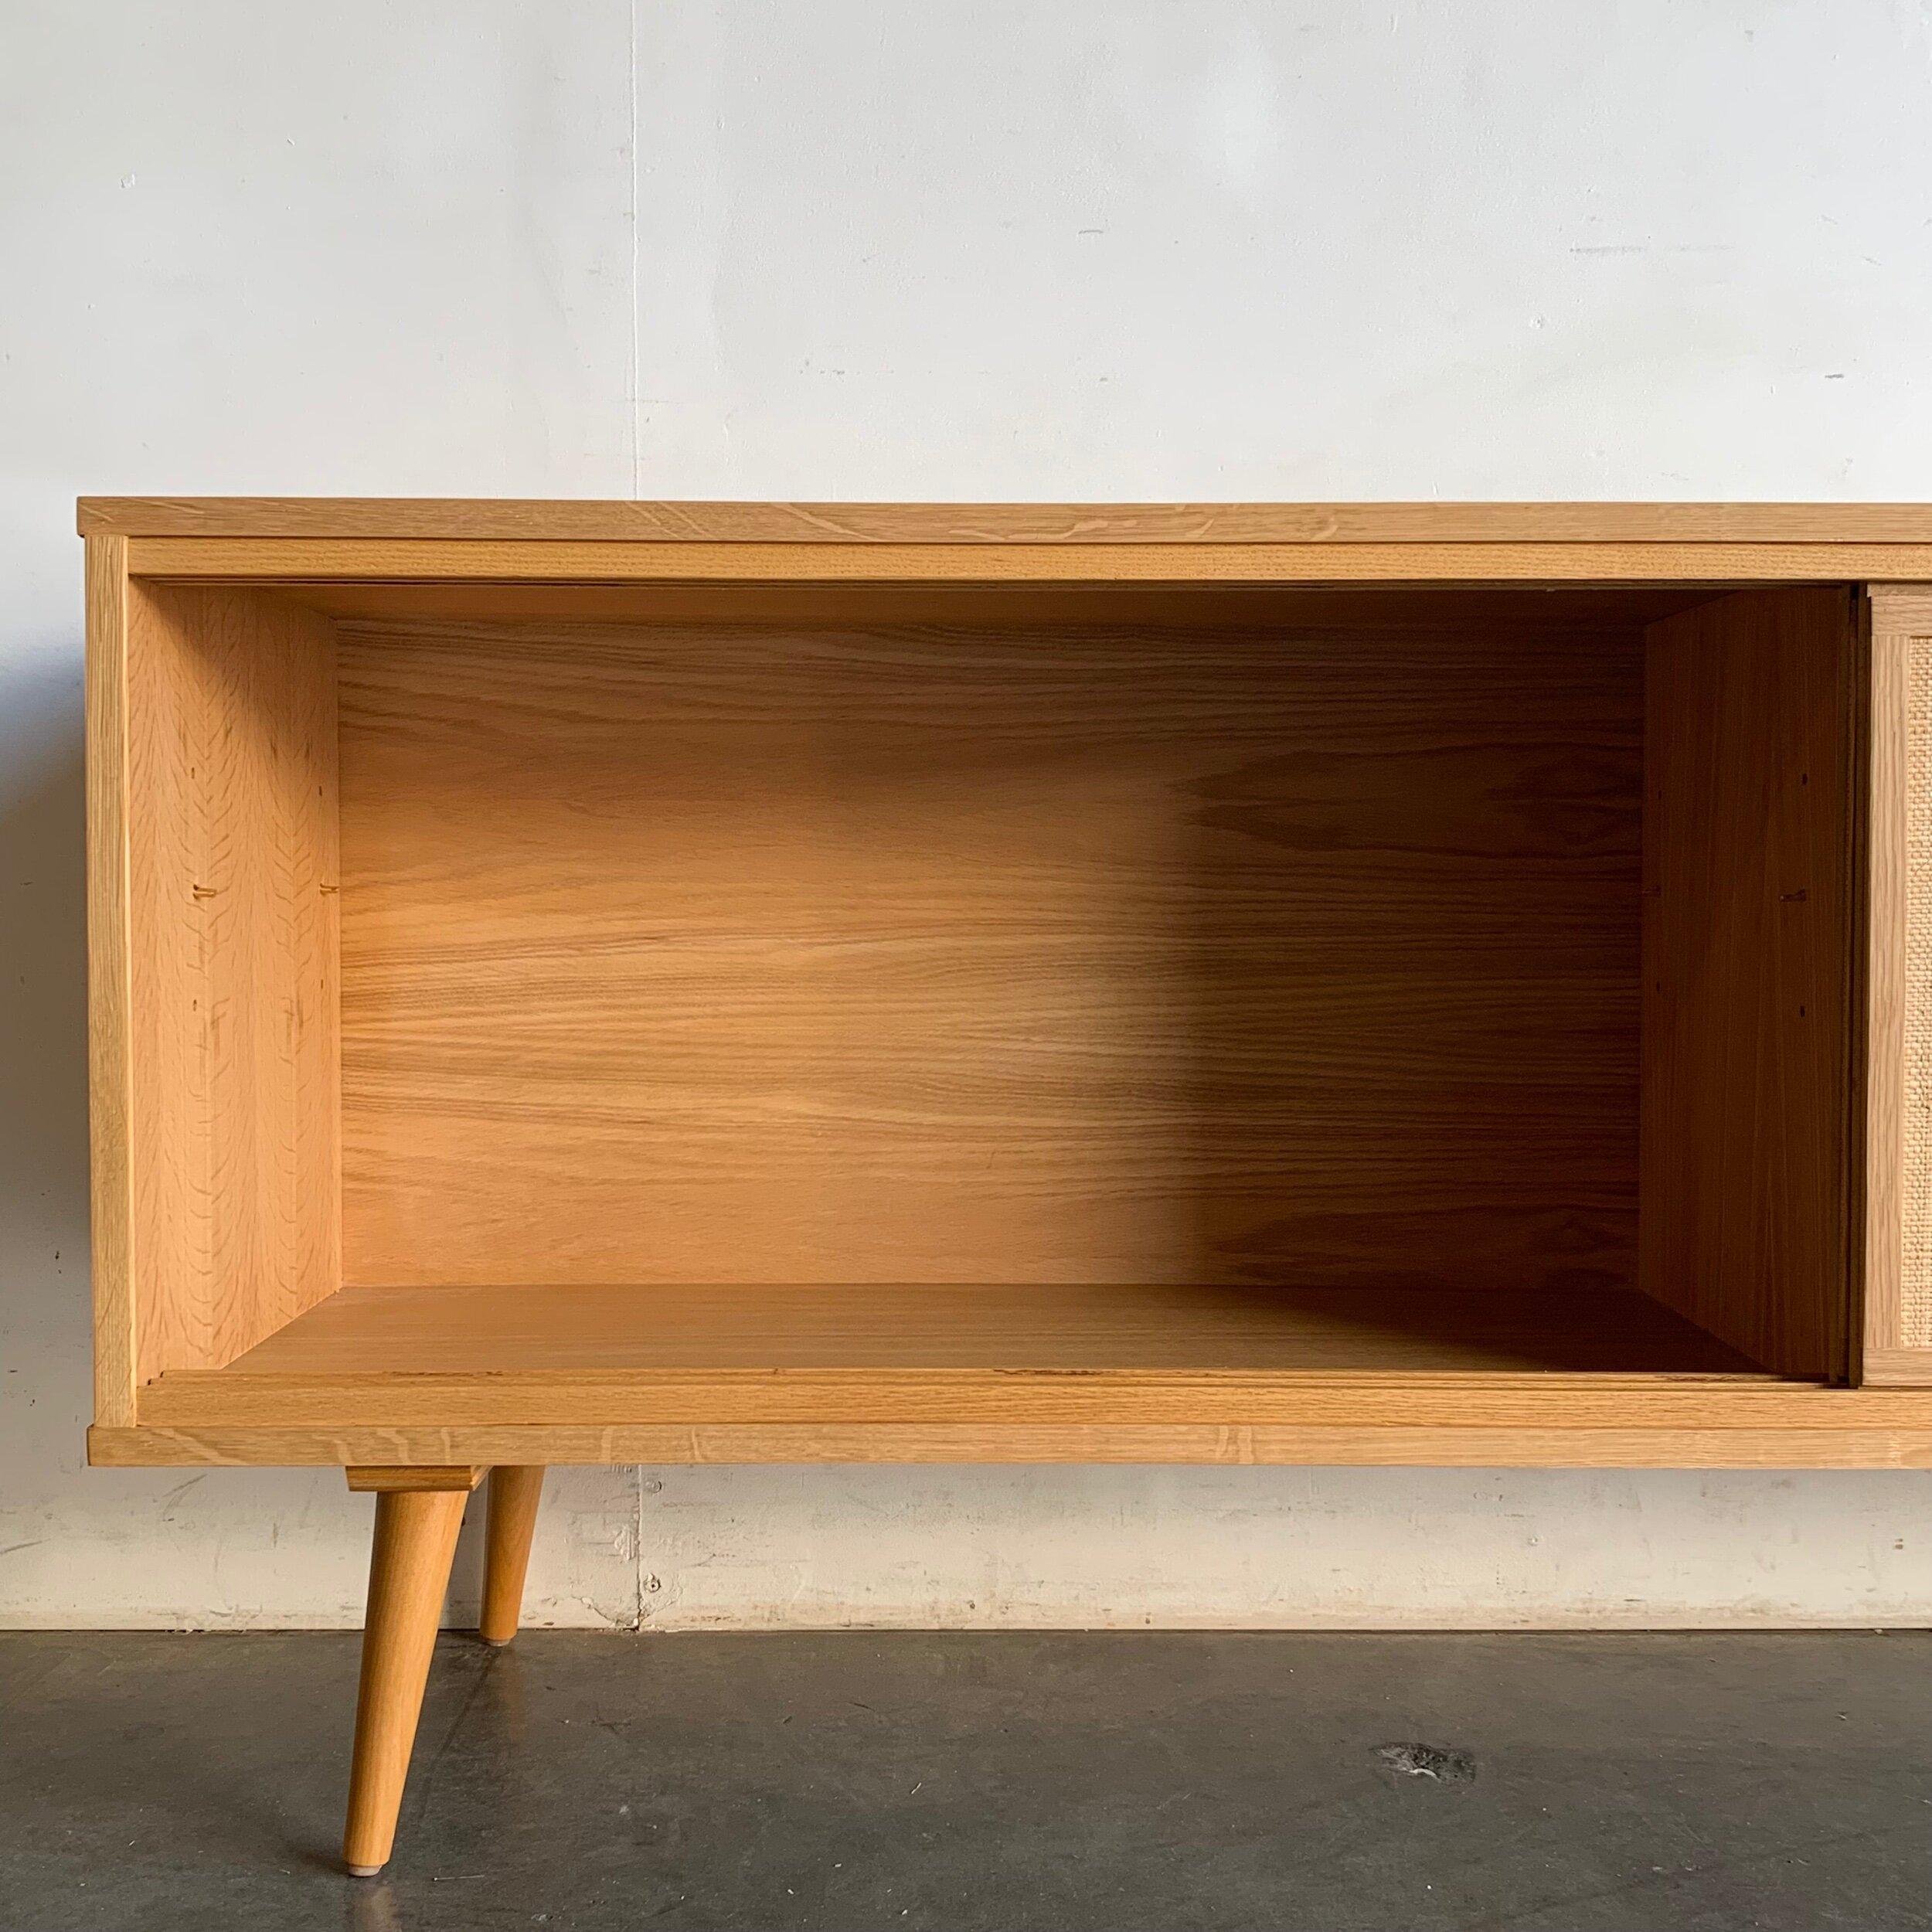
(1441, 1764)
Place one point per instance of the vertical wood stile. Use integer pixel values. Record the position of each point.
(1897, 1118)
(109, 1060)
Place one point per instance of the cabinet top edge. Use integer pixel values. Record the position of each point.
(567, 520)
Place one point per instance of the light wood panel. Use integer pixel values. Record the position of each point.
(1331, 1396)
(1006, 523)
(1844, 1436)
(1115, 888)
(380, 1479)
(1897, 1248)
(261, 558)
(504, 1330)
(995, 1358)
(1349, 613)
(1898, 1368)
(1750, 825)
(110, 1028)
(229, 808)
(952, 955)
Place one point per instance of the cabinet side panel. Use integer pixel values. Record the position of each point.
(235, 1134)
(109, 1065)
(1750, 756)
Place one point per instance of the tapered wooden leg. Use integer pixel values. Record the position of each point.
(408, 1573)
(514, 1492)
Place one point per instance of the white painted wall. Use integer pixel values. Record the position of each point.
(1143, 248)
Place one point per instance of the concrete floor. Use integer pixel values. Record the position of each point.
(583, 1783)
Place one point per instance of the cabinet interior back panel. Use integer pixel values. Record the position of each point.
(924, 953)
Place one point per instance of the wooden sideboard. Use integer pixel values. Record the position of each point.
(600, 982)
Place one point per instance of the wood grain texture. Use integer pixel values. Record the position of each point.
(516, 1491)
(1004, 523)
(409, 1574)
(259, 559)
(1897, 1253)
(1749, 778)
(1510, 1397)
(231, 812)
(506, 1330)
(1898, 1368)
(963, 908)
(1472, 1396)
(1349, 613)
(972, 956)
(110, 1033)
(379, 1479)
(1914, 1298)
(421, 1360)
(1882, 1153)
(1842, 1440)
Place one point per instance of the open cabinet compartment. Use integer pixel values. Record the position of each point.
(1423, 984)
(738, 1002)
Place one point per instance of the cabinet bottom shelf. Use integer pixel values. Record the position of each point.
(529, 1354)
(499, 1331)
(885, 1373)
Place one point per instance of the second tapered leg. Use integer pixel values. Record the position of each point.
(409, 1573)
(514, 1493)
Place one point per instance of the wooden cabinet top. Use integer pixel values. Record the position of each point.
(461, 519)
